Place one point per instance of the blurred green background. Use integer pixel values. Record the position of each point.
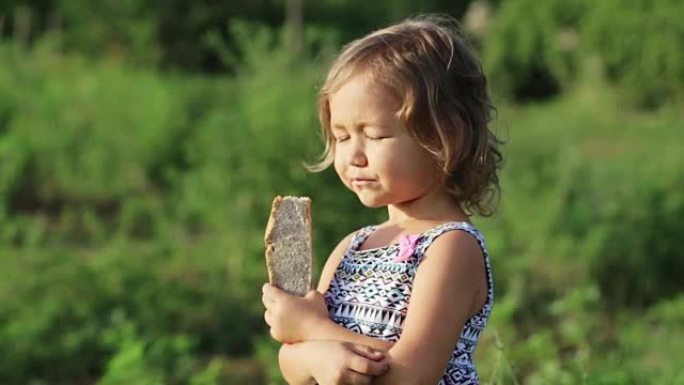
(141, 144)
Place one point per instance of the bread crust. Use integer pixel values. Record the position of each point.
(288, 245)
(268, 241)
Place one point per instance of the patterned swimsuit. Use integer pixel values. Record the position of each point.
(370, 294)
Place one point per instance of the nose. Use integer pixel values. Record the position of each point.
(357, 154)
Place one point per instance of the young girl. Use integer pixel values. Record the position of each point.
(405, 115)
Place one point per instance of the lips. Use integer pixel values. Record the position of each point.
(363, 180)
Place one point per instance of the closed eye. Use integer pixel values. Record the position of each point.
(376, 137)
(340, 139)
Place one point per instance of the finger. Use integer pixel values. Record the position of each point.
(368, 352)
(365, 366)
(268, 318)
(271, 294)
(354, 378)
(271, 289)
(267, 300)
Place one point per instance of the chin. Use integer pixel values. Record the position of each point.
(371, 203)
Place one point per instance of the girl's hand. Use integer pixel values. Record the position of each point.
(291, 318)
(344, 363)
(333, 362)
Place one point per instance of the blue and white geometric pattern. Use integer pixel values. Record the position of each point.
(369, 294)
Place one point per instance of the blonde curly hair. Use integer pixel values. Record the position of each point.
(427, 64)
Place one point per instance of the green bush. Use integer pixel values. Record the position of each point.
(640, 45)
(135, 204)
(584, 242)
(530, 49)
(537, 49)
(131, 224)
(68, 126)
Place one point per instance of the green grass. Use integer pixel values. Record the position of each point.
(133, 204)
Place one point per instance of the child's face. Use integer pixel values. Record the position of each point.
(374, 156)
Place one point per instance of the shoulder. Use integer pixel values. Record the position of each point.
(333, 261)
(342, 246)
(458, 245)
(448, 286)
(454, 266)
(456, 258)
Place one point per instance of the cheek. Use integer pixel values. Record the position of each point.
(340, 169)
(337, 164)
(414, 167)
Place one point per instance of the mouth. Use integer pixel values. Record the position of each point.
(362, 181)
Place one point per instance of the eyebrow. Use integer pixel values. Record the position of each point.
(358, 126)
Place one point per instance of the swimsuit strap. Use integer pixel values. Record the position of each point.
(360, 237)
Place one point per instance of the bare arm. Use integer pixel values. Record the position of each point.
(313, 321)
(366, 355)
(292, 358)
(330, 362)
(452, 273)
(327, 329)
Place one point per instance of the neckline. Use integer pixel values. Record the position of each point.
(371, 229)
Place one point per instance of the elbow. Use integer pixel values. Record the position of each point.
(290, 369)
(405, 381)
(420, 380)
(414, 364)
(401, 374)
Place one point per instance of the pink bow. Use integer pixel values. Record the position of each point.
(407, 246)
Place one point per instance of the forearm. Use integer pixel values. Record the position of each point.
(293, 366)
(412, 365)
(399, 374)
(329, 330)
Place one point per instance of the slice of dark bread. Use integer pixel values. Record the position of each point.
(288, 244)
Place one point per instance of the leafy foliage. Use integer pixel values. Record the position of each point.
(133, 202)
(534, 50)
